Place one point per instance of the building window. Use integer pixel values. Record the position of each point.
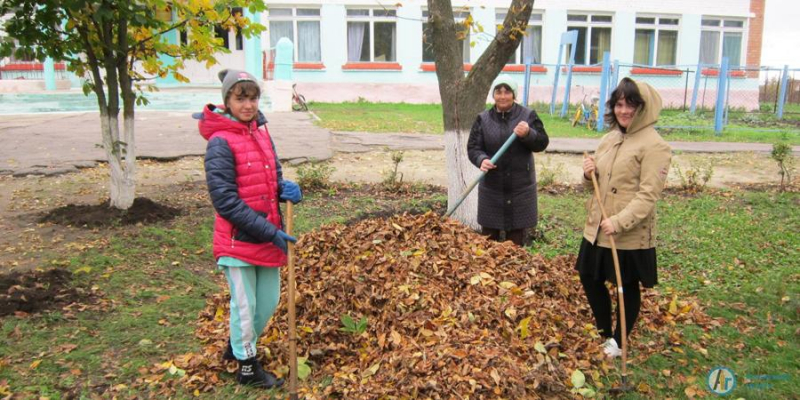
(183, 37)
(165, 14)
(371, 35)
(656, 41)
(302, 27)
(531, 43)
(221, 32)
(594, 37)
(721, 38)
(462, 34)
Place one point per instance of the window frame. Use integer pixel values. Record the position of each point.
(536, 19)
(459, 16)
(590, 25)
(371, 19)
(657, 27)
(232, 38)
(294, 19)
(722, 29)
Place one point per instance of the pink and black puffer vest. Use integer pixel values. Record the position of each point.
(243, 176)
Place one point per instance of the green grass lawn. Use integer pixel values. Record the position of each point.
(427, 118)
(736, 252)
(380, 117)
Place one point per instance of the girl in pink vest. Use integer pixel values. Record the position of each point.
(246, 183)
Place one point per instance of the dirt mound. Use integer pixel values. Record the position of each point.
(420, 307)
(37, 291)
(143, 210)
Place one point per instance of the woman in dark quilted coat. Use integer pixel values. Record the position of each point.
(507, 196)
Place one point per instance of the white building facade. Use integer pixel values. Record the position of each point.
(377, 50)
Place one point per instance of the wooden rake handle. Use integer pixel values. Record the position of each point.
(292, 322)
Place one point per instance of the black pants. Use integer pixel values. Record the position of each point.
(517, 235)
(600, 301)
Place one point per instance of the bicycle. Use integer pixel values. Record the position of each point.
(298, 100)
(587, 116)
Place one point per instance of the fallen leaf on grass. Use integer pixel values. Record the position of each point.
(162, 298)
(66, 348)
(84, 270)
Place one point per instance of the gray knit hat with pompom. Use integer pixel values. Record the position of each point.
(230, 77)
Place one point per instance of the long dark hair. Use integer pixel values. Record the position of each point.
(626, 89)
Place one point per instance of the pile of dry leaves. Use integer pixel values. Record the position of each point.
(414, 306)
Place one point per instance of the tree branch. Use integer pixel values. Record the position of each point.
(492, 61)
(141, 43)
(94, 65)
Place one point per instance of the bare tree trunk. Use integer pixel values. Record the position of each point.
(460, 173)
(126, 178)
(463, 98)
(121, 190)
(127, 185)
(122, 186)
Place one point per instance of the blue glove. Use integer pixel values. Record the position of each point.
(290, 191)
(280, 240)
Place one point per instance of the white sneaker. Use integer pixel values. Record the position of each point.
(611, 348)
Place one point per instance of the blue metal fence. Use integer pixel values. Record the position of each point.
(696, 97)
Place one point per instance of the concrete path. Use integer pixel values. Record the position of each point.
(57, 143)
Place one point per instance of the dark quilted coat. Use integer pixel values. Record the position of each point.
(507, 196)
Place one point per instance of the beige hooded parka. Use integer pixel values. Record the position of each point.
(631, 168)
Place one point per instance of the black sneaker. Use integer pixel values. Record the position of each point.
(250, 373)
(228, 354)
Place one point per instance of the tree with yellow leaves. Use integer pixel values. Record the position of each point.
(118, 46)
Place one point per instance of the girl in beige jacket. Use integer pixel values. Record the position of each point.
(631, 165)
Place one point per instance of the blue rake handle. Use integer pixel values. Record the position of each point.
(494, 159)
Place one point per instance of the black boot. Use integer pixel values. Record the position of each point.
(250, 373)
(228, 354)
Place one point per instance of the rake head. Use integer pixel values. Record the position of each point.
(624, 387)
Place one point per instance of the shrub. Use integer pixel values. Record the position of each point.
(392, 180)
(751, 119)
(782, 154)
(547, 173)
(697, 176)
(314, 175)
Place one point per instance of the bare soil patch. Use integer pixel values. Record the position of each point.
(143, 210)
(29, 292)
(428, 166)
